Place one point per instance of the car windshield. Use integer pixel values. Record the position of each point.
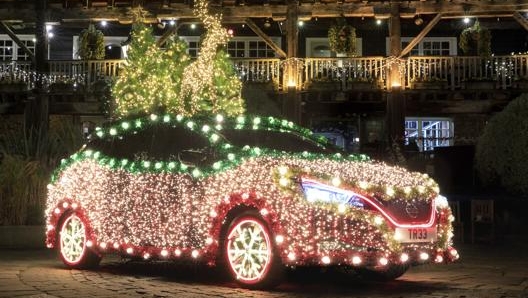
(281, 141)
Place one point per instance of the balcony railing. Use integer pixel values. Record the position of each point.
(453, 71)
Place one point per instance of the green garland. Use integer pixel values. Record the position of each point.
(91, 44)
(342, 39)
(476, 40)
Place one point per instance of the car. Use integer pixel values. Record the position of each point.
(253, 195)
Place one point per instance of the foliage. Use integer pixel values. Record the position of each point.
(225, 96)
(28, 158)
(91, 44)
(476, 40)
(342, 38)
(501, 155)
(151, 78)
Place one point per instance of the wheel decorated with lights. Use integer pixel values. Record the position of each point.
(73, 240)
(249, 253)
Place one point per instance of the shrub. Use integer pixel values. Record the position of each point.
(501, 154)
(27, 159)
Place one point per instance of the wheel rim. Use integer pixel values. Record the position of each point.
(72, 239)
(249, 250)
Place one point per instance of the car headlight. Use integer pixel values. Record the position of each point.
(441, 202)
(319, 192)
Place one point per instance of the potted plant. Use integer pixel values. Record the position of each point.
(520, 82)
(342, 39)
(429, 83)
(476, 41)
(362, 83)
(13, 82)
(323, 83)
(480, 83)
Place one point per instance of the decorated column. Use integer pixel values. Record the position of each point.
(395, 114)
(291, 106)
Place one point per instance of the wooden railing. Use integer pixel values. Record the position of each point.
(346, 71)
(452, 70)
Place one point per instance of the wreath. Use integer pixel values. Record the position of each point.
(342, 39)
(92, 44)
(476, 40)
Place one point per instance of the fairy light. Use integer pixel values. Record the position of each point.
(140, 193)
(198, 80)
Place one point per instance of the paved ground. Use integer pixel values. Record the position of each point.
(497, 271)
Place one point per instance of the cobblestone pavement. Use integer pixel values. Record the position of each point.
(497, 271)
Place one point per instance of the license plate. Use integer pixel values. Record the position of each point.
(406, 235)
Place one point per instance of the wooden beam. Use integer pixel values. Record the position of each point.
(172, 30)
(266, 38)
(455, 9)
(421, 35)
(521, 20)
(17, 40)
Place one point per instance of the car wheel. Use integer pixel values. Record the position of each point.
(249, 253)
(72, 240)
(390, 273)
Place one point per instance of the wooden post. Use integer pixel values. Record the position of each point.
(291, 83)
(394, 45)
(395, 113)
(36, 112)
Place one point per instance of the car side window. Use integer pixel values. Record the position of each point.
(134, 146)
(180, 143)
(281, 141)
(158, 142)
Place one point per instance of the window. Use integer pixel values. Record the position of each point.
(317, 47)
(281, 141)
(430, 46)
(9, 50)
(237, 47)
(158, 143)
(193, 47)
(429, 133)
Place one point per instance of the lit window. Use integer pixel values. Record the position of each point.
(428, 133)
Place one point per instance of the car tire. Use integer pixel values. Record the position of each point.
(72, 243)
(249, 255)
(392, 272)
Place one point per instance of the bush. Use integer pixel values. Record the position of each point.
(501, 154)
(27, 159)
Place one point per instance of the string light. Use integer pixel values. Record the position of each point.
(159, 206)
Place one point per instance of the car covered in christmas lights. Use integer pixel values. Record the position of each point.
(252, 195)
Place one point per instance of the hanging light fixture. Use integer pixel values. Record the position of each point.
(267, 23)
(418, 21)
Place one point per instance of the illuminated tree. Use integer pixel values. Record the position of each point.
(153, 80)
(209, 84)
(134, 91)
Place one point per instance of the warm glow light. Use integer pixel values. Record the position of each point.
(383, 261)
(439, 259)
(404, 257)
(325, 260)
(356, 260)
(424, 256)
